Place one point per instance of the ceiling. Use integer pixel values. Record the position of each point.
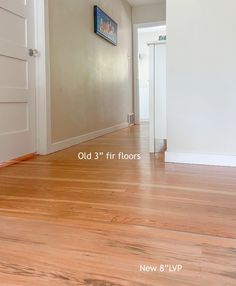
(144, 2)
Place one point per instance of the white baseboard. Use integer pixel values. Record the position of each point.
(57, 146)
(200, 159)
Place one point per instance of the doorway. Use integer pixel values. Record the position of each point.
(145, 36)
(150, 81)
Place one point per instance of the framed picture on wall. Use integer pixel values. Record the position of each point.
(104, 26)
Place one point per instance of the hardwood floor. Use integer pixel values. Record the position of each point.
(66, 222)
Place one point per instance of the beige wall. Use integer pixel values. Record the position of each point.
(149, 13)
(91, 80)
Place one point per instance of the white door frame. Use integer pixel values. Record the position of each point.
(136, 70)
(43, 99)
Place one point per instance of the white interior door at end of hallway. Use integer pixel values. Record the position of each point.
(152, 100)
(158, 120)
(17, 79)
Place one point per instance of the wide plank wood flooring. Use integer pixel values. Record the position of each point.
(65, 222)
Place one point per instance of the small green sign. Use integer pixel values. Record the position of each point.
(162, 38)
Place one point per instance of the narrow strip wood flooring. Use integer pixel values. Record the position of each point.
(69, 222)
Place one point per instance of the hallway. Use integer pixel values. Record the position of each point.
(67, 222)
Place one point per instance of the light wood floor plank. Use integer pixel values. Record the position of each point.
(65, 222)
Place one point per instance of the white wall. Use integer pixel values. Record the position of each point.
(201, 69)
(149, 13)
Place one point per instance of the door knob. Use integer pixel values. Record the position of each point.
(34, 53)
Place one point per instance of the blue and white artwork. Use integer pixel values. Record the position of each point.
(104, 26)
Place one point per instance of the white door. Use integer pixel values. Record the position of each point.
(17, 79)
(152, 75)
(160, 94)
(158, 120)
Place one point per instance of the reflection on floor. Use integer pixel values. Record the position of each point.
(66, 221)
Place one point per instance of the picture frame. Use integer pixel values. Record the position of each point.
(105, 26)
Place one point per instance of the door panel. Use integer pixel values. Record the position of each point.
(13, 117)
(17, 79)
(16, 25)
(13, 72)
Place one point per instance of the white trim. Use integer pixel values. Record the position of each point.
(83, 138)
(156, 43)
(135, 60)
(43, 110)
(200, 159)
